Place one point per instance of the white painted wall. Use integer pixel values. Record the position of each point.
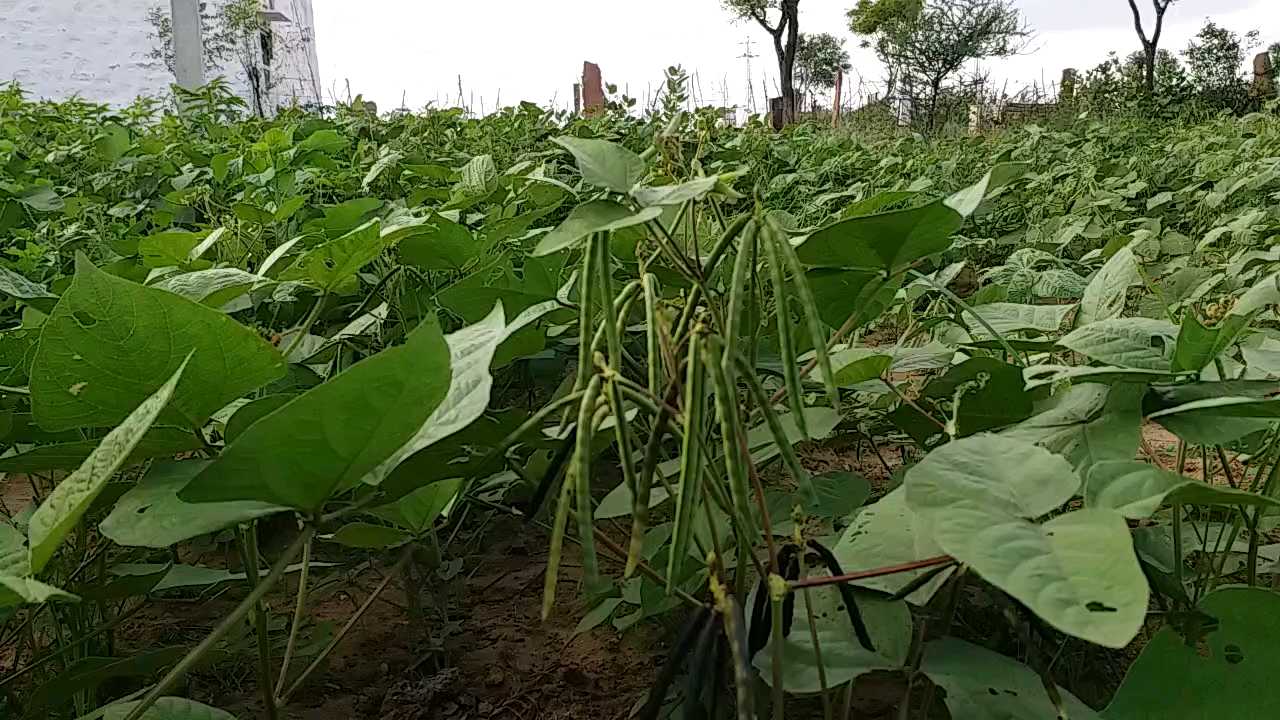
(98, 50)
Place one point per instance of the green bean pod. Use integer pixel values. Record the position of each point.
(786, 346)
(809, 305)
(690, 458)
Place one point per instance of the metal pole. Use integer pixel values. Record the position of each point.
(188, 49)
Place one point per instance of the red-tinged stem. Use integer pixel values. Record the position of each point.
(821, 581)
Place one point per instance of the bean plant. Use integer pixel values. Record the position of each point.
(324, 336)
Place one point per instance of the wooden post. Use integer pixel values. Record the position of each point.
(592, 89)
(188, 47)
(835, 109)
(778, 113)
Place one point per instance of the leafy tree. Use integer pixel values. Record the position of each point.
(1150, 44)
(925, 43)
(1216, 58)
(785, 30)
(818, 60)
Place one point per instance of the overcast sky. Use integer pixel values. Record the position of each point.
(413, 51)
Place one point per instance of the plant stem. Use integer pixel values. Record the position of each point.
(299, 609)
(324, 654)
(824, 580)
(249, 553)
(306, 325)
(197, 653)
(1178, 557)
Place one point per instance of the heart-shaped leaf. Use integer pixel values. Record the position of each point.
(331, 436)
(1077, 571)
(63, 508)
(110, 343)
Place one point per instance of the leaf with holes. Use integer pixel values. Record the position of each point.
(983, 685)
(1141, 343)
(1227, 673)
(888, 533)
(151, 515)
(109, 344)
(63, 508)
(1077, 571)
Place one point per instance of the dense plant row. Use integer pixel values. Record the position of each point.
(209, 323)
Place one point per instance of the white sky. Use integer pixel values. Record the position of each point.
(413, 51)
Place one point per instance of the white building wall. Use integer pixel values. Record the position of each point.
(99, 50)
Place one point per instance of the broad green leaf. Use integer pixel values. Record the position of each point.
(618, 503)
(471, 353)
(1127, 342)
(151, 515)
(843, 294)
(674, 194)
(17, 286)
(41, 198)
(417, 511)
(967, 201)
(1088, 424)
(597, 615)
(843, 658)
(328, 141)
(592, 217)
(14, 557)
(169, 708)
(1012, 317)
(1038, 376)
(17, 351)
(1105, 295)
(1198, 345)
(982, 685)
(605, 164)
(16, 590)
(891, 241)
(1219, 420)
(445, 245)
(838, 494)
(477, 176)
(1228, 673)
(370, 537)
(888, 241)
(821, 422)
(977, 395)
(88, 673)
(332, 267)
(328, 438)
(252, 412)
(1077, 571)
(1137, 490)
(157, 442)
(63, 508)
(857, 365)
(887, 533)
(110, 343)
(168, 248)
(214, 287)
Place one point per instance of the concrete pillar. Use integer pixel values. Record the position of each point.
(1067, 90)
(188, 46)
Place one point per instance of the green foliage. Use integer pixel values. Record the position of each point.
(396, 326)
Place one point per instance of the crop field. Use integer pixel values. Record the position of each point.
(340, 415)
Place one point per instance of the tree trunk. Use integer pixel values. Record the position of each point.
(1149, 69)
(791, 14)
(935, 88)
